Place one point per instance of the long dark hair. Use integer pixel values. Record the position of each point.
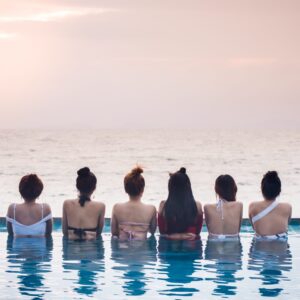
(180, 210)
(86, 183)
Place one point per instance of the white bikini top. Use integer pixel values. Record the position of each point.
(220, 204)
(265, 211)
(36, 229)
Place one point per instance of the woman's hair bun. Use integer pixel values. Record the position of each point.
(137, 171)
(272, 174)
(32, 177)
(182, 170)
(84, 172)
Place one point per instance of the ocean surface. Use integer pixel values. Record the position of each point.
(56, 156)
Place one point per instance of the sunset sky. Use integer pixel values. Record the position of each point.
(150, 64)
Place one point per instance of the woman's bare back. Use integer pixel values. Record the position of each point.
(89, 216)
(232, 217)
(275, 222)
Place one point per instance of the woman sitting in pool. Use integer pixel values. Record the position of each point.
(223, 220)
(29, 218)
(133, 219)
(83, 219)
(270, 218)
(180, 217)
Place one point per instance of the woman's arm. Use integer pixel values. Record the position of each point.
(199, 221)
(153, 222)
(114, 227)
(181, 236)
(250, 214)
(101, 219)
(8, 224)
(49, 223)
(65, 221)
(161, 220)
(241, 217)
(206, 216)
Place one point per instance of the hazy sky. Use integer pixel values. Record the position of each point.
(150, 64)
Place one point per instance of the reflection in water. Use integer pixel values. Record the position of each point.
(225, 258)
(270, 258)
(178, 261)
(86, 257)
(133, 258)
(30, 258)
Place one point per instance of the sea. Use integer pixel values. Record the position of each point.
(56, 155)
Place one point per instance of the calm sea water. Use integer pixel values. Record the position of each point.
(57, 155)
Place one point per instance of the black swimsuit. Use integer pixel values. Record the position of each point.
(81, 232)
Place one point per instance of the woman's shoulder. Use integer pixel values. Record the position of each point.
(98, 204)
(255, 204)
(46, 206)
(161, 206)
(237, 204)
(69, 202)
(150, 206)
(199, 204)
(10, 209)
(285, 206)
(209, 206)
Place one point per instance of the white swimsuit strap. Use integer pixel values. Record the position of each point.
(42, 211)
(48, 217)
(11, 220)
(220, 207)
(265, 211)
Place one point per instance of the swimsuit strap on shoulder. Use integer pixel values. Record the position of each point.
(264, 212)
(42, 211)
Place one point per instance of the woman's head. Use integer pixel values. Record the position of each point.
(179, 183)
(271, 185)
(226, 188)
(180, 209)
(30, 187)
(86, 184)
(134, 182)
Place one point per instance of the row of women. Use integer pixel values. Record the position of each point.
(179, 217)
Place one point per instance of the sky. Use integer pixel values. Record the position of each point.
(150, 64)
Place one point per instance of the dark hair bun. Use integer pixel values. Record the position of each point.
(31, 178)
(272, 175)
(137, 171)
(271, 185)
(84, 172)
(182, 170)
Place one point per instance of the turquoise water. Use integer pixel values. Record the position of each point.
(34, 268)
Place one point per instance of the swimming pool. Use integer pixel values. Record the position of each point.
(34, 268)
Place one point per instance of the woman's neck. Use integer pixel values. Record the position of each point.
(269, 200)
(135, 198)
(31, 202)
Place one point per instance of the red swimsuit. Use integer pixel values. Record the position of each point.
(195, 229)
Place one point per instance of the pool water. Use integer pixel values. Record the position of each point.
(37, 268)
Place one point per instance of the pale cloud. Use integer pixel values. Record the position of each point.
(7, 36)
(53, 15)
(252, 61)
